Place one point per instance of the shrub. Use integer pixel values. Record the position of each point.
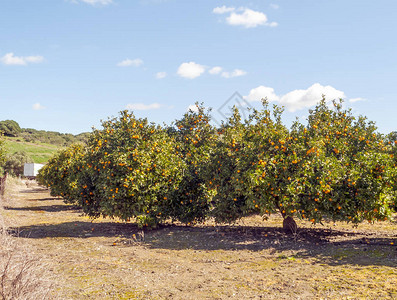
(2, 154)
(15, 162)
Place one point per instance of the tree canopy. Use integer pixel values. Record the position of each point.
(337, 166)
(10, 128)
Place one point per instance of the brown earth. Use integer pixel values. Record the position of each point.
(252, 259)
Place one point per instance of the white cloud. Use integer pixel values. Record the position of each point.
(93, 2)
(244, 16)
(10, 59)
(261, 92)
(130, 62)
(215, 70)
(193, 70)
(102, 2)
(248, 18)
(222, 9)
(235, 73)
(190, 70)
(297, 99)
(38, 106)
(193, 108)
(161, 75)
(142, 106)
(352, 100)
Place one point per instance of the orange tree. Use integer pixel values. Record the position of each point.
(392, 151)
(354, 177)
(61, 172)
(335, 167)
(254, 167)
(129, 171)
(194, 144)
(275, 163)
(227, 169)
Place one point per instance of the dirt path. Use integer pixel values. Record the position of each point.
(251, 260)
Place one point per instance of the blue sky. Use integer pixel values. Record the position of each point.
(67, 64)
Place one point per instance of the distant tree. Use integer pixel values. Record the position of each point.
(15, 163)
(10, 128)
(2, 154)
(53, 137)
(83, 137)
(27, 137)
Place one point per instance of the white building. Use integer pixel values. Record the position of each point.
(31, 170)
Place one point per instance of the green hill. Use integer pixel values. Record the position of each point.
(35, 145)
(38, 152)
(11, 129)
(25, 145)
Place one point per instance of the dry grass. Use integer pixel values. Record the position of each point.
(253, 259)
(13, 186)
(22, 275)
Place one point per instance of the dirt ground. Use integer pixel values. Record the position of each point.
(252, 259)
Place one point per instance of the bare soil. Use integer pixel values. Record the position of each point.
(251, 259)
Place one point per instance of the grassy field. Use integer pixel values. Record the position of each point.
(39, 152)
(252, 259)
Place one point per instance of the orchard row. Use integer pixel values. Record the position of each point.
(337, 166)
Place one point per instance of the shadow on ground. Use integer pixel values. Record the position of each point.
(333, 247)
(43, 199)
(34, 190)
(47, 208)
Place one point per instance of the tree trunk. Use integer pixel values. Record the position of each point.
(289, 225)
